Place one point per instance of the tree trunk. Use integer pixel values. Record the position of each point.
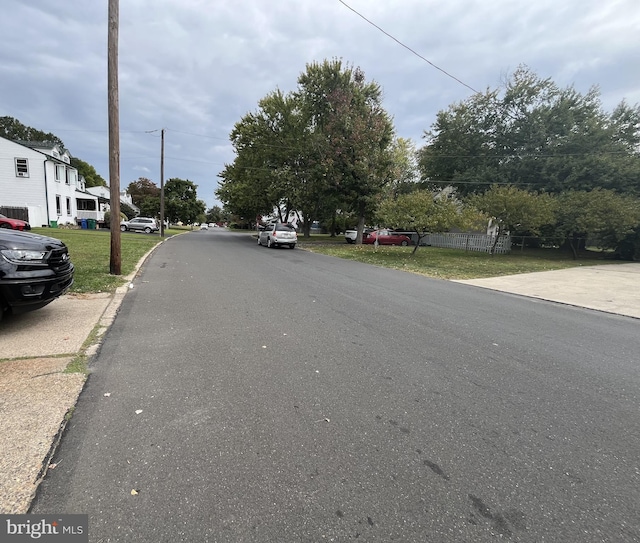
(495, 241)
(306, 224)
(418, 242)
(360, 225)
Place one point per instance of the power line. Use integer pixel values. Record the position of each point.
(197, 135)
(408, 48)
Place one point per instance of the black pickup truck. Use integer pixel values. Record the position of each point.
(34, 271)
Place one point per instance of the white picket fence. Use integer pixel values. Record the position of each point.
(468, 242)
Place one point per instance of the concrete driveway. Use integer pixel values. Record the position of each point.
(613, 288)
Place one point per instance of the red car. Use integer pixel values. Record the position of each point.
(387, 237)
(14, 224)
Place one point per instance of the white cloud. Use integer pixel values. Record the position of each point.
(195, 66)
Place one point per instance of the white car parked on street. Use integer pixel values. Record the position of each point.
(277, 234)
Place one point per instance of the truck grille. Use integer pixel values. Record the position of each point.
(59, 260)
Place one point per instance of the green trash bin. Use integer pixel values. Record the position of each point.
(53, 224)
(91, 224)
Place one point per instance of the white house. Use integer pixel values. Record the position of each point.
(38, 184)
(104, 197)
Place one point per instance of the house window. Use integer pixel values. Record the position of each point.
(22, 167)
(59, 172)
(58, 207)
(68, 206)
(86, 205)
(72, 177)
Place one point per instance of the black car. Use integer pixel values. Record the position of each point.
(34, 271)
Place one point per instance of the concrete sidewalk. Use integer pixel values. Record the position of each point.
(36, 396)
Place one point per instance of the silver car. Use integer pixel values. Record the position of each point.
(142, 224)
(277, 234)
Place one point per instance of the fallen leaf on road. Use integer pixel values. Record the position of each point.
(134, 492)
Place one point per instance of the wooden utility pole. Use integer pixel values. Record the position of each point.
(162, 183)
(115, 263)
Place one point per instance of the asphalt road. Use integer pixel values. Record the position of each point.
(253, 394)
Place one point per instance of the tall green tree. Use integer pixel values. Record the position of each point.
(142, 188)
(181, 201)
(269, 150)
(150, 206)
(216, 214)
(353, 134)
(533, 134)
(321, 148)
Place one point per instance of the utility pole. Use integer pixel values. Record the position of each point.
(162, 183)
(115, 263)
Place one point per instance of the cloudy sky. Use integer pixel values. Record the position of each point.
(195, 67)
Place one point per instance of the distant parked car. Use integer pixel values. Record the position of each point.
(13, 224)
(34, 271)
(141, 224)
(204, 226)
(351, 235)
(277, 234)
(387, 237)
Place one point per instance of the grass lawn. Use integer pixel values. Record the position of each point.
(451, 263)
(90, 252)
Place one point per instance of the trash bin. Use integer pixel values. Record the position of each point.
(53, 224)
(83, 224)
(91, 224)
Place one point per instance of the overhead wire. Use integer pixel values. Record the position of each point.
(408, 48)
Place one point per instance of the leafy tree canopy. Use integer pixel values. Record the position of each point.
(13, 129)
(141, 189)
(181, 201)
(404, 170)
(321, 148)
(513, 208)
(533, 134)
(425, 212)
(603, 215)
(150, 206)
(86, 170)
(216, 214)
